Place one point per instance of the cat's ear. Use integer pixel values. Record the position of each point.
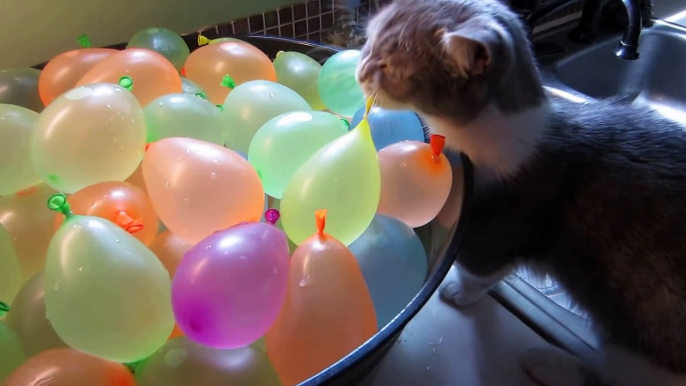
(471, 46)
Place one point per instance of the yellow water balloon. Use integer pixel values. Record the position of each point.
(10, 271)
(344, 178)
(16, 128)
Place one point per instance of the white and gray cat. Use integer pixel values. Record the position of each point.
(593, 194)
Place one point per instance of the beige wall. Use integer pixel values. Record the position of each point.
(33, 31)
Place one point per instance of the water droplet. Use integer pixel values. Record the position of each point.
(428, 368)
(161, 104)
(272, 96)
(117, 241)
(175, 358)
(380, 241)
(208, 247)
(305, 281)
(166, 185)
(215, 161)
(213, 175)
(186, 199)
(433, 350)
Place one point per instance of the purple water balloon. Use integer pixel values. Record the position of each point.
(229, 287)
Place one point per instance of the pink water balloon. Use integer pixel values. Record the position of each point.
(415, 180)
(229, 288)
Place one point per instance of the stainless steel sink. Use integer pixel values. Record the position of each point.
(656, 79)
(594, 72)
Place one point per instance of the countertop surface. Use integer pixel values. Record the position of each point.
(478, 345)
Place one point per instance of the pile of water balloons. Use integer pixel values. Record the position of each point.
(174, 218)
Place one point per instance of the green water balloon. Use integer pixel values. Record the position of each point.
(11, 352)
(251, 105)
(19, 86)
(338, 85)
(163, 41)
(105, 292)
(284, 143)
(190, 87)
(299, 72)
(16, 128)
(27, 318)
(183, 115)
(345, 179)
(202, 40)
(181, 362)
(11, 277)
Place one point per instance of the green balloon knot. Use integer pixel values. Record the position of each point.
(4, 308)
(279, 53)
(132, 366)
(58, 202)
(84, 41)
(201, 95)
(220, 107)
(346, 123)
(228, 82)
(126, 82)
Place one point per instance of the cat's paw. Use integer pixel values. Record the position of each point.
(456, 293)
(552, 367)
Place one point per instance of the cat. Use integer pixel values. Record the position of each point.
(593, 194)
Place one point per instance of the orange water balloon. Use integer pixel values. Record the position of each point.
(170, 248)
(69, 367)
(198, 188)
(64, 70)
(30, 224)
(415, 180)
(328, 310)
(243, 62)
(120, 202)
(137, 178)
(152, 74)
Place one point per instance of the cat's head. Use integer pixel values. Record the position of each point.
(448, 58)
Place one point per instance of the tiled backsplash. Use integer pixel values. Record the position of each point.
(329, 21)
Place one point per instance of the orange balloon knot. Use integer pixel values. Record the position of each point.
(26, 192)
(272, 216)
(183, 71)
(147, 146)
(128, 223)
(320, 218)
(437, 143)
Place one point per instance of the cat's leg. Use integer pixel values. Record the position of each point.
(469, 287)
(616, 367)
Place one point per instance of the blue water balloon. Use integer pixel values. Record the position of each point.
(391, 126)
(394, 265)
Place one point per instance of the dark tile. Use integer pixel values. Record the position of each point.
(285, 15)
(240, 26)
(327, 20)
(300, 28)
(256, 23)
(272, 31)
(225, 29)
(271, 19)
(313, 25)
(364, 2)
(314, 37)
(287, 30)
(211, 33)
(313, 8)
(299, 12)
(326, 5)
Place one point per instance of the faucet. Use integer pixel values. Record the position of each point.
(638, 14)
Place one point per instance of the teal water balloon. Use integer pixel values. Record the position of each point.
(183, 115)
(337, 84)
(19, 86)
(163, 41)
(10, 271)
(393, 263)
(284, 143)
(190, 87)
(391, 126)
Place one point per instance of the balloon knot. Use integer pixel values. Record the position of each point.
(147, 146)
(183, 71)
(84, 41)
(220, 107)
(279, 53)
(272, 216)
(367, 107)
(126, 82)
(346, 123)
(58, 202)
(201, 95)
(320, 218)
(228, 82)
(202, 40)
(437, 143)
(128, 223)
(4, 308)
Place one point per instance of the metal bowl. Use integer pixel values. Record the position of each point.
(440, 237)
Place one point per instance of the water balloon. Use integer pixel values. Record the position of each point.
(337, 85)
(163, 41)
(19, 86)
(391, 126)
(11, 351)
(170, 248)
(183, 115)
(16, 127)
(299, 72)
(11, 277)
